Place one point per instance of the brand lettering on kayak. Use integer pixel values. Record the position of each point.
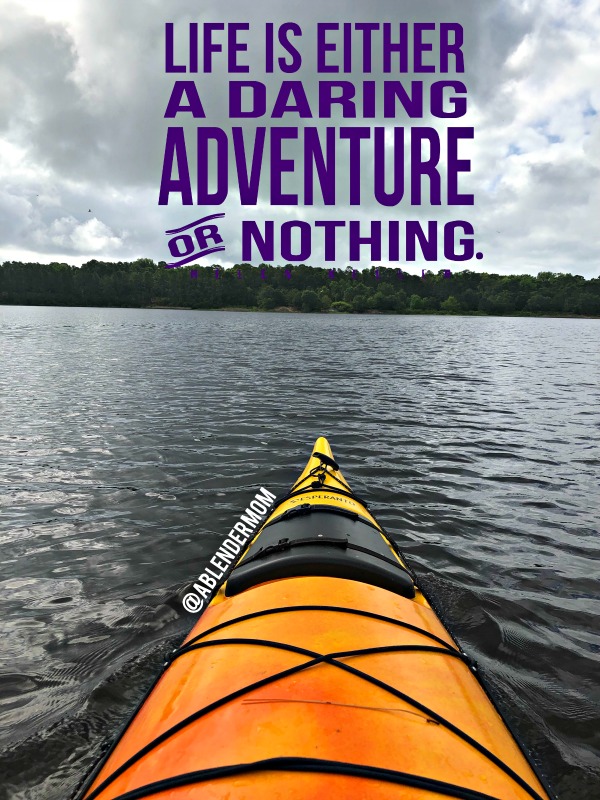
(337, 498)
(228, 552)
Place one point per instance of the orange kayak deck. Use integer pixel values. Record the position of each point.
(412, 708)
(319, 671)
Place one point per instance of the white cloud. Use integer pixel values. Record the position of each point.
(66, 234)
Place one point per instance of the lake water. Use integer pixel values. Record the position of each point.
(132, 439)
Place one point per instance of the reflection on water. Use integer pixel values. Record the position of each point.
(131, 440)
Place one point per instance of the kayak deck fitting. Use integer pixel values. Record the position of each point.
(318, 671)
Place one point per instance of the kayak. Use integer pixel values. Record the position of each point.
(319, 669)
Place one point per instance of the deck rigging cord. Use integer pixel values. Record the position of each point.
(315, 658)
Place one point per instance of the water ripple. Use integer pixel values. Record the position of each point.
(131, 439)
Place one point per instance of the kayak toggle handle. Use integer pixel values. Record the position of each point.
(326, 460)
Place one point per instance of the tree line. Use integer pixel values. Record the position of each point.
(144, 284)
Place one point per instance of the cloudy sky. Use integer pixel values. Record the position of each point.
(83, 91)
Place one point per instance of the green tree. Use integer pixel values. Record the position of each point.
(324, 298)
(589, 304)
(310, 301)
(540, 303)
(359, 303)
(400, 301)
(383, 301)
(268, 298)
(341, 307)
(451, 305)
(293, 298)
(431, 303)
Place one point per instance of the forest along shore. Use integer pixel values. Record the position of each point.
(293, 288)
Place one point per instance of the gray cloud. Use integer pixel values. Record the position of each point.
(82, 98)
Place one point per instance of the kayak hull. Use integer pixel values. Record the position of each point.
(317, 687)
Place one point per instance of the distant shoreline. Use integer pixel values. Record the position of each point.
(303, 289)
(331, 312)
